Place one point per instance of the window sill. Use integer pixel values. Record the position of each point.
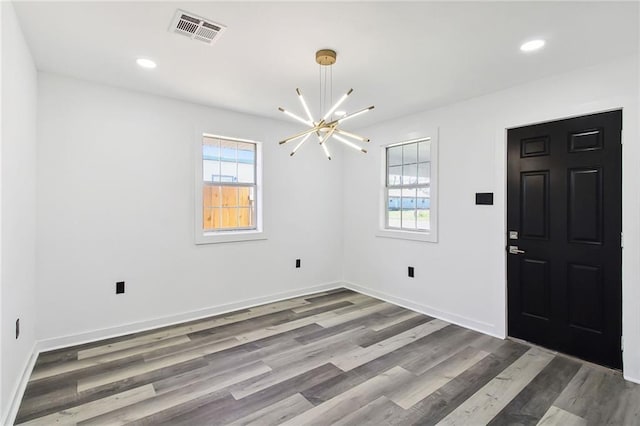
(428, 237)
(229, 237)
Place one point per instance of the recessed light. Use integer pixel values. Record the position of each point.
(532, 45)
(146, 63)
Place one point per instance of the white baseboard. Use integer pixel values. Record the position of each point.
(18, 391)
(479, 326)
(136, 327)
(631, 379)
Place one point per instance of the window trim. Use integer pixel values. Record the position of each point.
(226, 236)
(426, 236)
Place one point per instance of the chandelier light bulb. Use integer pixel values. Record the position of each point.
(304, 105)
(337, 104)
(349, 143)
(326, 151)
(355, 114)
(296, 117)
(300, 144)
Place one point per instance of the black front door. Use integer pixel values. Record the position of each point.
(564, 223)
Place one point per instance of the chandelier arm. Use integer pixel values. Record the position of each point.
(337, 104)
(353, 114)
(349, 143)
(296, 117)
(299, 135)
(300, 144)
(304, 105)
(326, 151)
(352, 135)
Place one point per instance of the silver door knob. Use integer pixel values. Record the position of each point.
(515, 250)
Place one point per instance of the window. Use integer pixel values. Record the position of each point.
(409, 193)
(227, 207)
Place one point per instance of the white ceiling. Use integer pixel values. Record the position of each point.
(402, 57)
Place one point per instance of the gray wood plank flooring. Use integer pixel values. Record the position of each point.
(335, 357)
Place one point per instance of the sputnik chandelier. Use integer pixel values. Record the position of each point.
(327, 127)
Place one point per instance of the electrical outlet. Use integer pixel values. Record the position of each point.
(120, 287)
(17, 328)
(297, 263)
(410, 272)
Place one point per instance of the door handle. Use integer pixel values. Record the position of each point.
(515, 250)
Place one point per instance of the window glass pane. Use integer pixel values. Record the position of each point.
(423, 222)
(424, 151)
(393, 208)
(409, 219)
(395, 176)
(409, 196)
(229, 196)
(423, 200)
(228, 151)
(246, 173)
(245, 196)
(211, 196)
(229, 218)
(210, 148)
(210, 171)
(210, 218)
(228, 172)
(423, 204)
(410, 153)
(409, 174)
(408, 205)
(424, 173)
(394, 156)
(246, 153)
(245, 218)
(210, 157)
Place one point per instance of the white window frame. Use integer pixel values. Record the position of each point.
(203, 236)
(431, 235)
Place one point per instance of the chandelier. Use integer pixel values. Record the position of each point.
(326, 127)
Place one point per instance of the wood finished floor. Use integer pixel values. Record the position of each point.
(329, 358)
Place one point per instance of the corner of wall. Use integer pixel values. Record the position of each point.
(470, 323)
(9, 417)
(18, 83)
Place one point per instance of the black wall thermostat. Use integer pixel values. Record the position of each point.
(484, 198)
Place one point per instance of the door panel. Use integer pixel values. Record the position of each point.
(585, 295)
(534, 276)
(564, 200)
(534, 204)
(585, 206)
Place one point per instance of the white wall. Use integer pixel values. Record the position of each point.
(116, 202)
(18, 206)
(462, 277)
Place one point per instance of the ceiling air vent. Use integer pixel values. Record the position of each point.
(195, 27)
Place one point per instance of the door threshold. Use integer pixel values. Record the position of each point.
(562, 354)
